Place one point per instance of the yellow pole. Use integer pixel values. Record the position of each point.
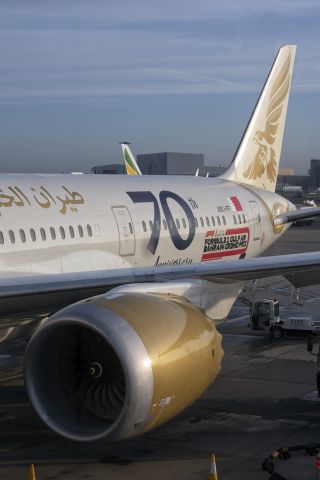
(213, 475)
(32, 473)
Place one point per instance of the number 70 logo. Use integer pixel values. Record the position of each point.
(148, 197)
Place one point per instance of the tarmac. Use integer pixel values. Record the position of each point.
(263, 399)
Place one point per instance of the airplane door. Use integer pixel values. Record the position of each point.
(256, 219)
(125, 229)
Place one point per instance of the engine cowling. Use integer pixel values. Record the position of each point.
(121, 364)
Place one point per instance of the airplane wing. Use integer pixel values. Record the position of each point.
(299, 214)
(20, 293)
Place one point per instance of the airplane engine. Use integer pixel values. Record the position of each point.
(118, 365)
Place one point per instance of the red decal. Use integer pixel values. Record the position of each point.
(218, 255)
(233, 242)
(234, 231)
(236, 204)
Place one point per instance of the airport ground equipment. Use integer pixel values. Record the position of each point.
(310, 343)
(318, 465)
(285, 453)
(266, 315)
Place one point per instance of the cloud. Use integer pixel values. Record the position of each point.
(51, 51)
(125, 11)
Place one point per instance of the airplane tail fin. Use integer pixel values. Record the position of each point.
(129, 160)
(256, 161)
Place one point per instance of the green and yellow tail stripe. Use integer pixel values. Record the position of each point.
(129, 161)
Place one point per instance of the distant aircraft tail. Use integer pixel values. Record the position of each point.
(129, 160)
(256, 161)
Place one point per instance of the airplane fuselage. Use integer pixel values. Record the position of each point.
(70, 223)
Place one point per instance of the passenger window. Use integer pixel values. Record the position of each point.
(53, 233)
(208, 223)
(184, 223)
(201, 221)
(11, 236)
(97, 230)
(1, 238)
(239, 217)
(130, 228)
(218, 220)
(178, 224)
(234, 219)
(213, 222)
(22, 236)
(165, 226)
(33, 235)
(144, 226)
(62, 233)
(224, 220)
(244, 218)
(43, 234)
(150, 224)
(89, 229)
(71, 231)
(80, 230)
(196, 221)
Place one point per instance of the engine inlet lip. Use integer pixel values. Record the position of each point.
(77, 314)
(37, 402)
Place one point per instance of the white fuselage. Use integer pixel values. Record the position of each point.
(70, 223)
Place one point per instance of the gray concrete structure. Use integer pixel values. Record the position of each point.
(166, 163)
(295, 180)
(315, 173)
(170, 163)
(112, 169)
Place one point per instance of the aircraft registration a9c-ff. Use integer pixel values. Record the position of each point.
(131, 275)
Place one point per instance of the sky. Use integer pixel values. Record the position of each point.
(78, 76)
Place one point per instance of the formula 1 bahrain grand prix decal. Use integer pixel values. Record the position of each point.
(234, 241)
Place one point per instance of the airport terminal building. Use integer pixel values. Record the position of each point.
(315, 173)
(170, 163)
(166, 163)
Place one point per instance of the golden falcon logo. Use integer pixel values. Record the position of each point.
(265, 159)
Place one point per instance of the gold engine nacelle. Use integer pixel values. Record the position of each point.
(120, 364)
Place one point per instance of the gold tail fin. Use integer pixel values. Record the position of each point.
(256, 161)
